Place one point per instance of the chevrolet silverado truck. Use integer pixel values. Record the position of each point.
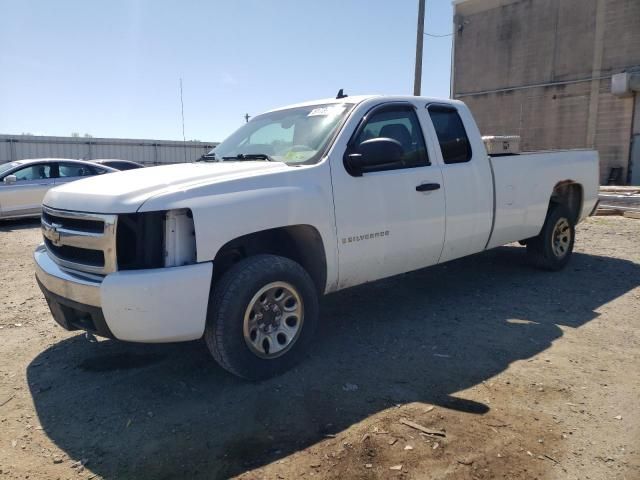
(299, 202)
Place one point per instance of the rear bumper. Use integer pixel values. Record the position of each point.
(157, 305)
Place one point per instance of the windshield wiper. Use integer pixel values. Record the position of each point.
(251, 156)
(207, 157)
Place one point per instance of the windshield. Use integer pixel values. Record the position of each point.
(5, 167)
(294, 136)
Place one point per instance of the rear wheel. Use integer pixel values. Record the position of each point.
(552, 248)
(262, 315)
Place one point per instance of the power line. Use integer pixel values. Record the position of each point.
(438, 36)
(435, 35)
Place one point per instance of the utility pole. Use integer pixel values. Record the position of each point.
(417, 79)
(184, 140)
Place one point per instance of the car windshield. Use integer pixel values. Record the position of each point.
(5, 167)
(294, 136)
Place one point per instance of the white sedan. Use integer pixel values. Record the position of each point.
(23, 183)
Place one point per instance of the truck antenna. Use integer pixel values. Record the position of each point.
(341, 94)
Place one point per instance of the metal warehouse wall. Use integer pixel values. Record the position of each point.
(149, 152)
(542, 69)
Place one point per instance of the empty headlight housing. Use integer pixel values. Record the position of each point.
(155, 239)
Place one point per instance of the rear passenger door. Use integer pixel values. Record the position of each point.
(386, 222)
(467, 179)
(69, 172)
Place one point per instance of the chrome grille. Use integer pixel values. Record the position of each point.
(81, 241)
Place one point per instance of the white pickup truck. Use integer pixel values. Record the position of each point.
(300, 201)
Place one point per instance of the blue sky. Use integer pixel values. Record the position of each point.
(111, 68)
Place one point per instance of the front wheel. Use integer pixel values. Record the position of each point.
(262, 316)
(552, 248)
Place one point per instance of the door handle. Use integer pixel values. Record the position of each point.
(427, 187)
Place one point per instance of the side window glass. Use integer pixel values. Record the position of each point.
(400, 124)
(74, 170)
(34, 172)
(454, 143)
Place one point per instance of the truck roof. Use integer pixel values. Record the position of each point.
(355, 99)
(324, 101)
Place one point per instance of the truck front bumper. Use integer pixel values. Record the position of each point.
(156, 305)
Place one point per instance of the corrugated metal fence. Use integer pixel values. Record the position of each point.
(149, 152)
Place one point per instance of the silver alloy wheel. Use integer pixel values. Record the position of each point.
(561, 238)
(273, 320)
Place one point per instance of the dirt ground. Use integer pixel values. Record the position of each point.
(520, 374)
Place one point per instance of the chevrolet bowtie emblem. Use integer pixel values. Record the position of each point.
(52, 233)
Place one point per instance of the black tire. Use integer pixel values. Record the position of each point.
(540, 249)
(229, 301)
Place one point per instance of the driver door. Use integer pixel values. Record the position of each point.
(24, 197)
(387, 222)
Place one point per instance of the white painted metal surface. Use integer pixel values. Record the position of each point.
(625, 84)
(131, 188)
(469, 194)
(524, 184)
(395, 227)
(159, 305)
(410, 225)
(240, 198)
(179, 238)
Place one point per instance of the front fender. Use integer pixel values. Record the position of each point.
(222, 213)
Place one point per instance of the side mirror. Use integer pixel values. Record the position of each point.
(372, 153)
(9, 179)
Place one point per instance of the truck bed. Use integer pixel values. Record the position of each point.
(523, 184)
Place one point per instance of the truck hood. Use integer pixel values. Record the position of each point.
(125, 192)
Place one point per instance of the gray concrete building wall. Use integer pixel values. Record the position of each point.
(542, 69)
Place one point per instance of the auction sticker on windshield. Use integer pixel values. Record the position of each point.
(326, 111)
